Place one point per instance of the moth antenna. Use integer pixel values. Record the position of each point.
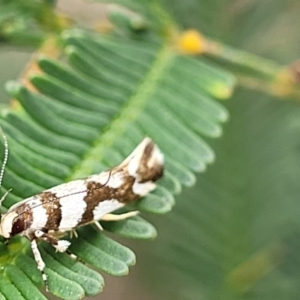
(4, 162)
(97, 188)
(71, 194)
(104, 184)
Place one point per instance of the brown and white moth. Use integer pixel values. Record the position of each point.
(49, 215)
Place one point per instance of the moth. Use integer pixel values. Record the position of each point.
(64, 208)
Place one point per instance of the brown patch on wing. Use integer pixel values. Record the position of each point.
(24, 219)
(98, 193)
(145, 172)
(53, 209)
(149, 170)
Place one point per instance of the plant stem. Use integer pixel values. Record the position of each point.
(256, 72)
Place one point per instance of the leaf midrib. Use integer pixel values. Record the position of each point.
(128, 114)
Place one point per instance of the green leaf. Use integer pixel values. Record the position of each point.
(22, 282)
(88, 112)
(25, 22)
(235, 235)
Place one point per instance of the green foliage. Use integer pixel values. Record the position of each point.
(87, 114)
(235, 235)
(26, 21)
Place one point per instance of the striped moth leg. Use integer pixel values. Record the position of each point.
(39, 261)
(59, 245)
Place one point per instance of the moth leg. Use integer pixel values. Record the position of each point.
(4, 196)
(113, 217)
(59, 245)
(73, 233)
(98, 225)
(39, 261)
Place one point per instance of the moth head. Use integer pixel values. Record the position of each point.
(10, 224)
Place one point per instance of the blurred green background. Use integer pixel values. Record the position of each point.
(235, 235)
(12, 63)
